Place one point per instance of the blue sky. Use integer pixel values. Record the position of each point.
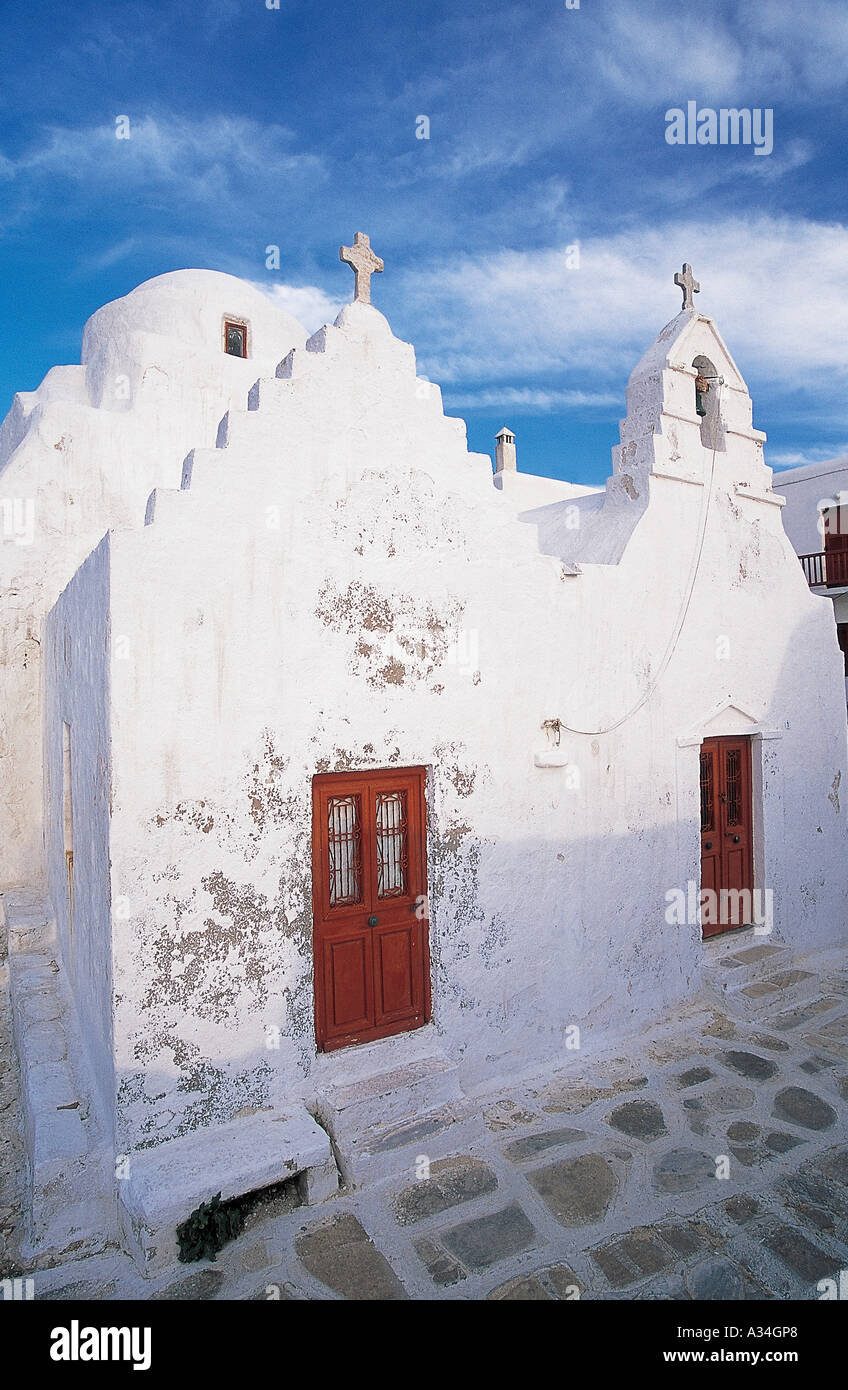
(253, 126)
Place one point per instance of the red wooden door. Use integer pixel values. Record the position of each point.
(727, 863)
(369, 882)
(836, 546)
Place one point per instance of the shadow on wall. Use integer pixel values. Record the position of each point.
(517, 959)
(529, 937)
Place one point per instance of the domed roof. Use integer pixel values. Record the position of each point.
(190, 307)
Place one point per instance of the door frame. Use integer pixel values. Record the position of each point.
(345, 780)
(729, 717)
(719, 743)
(835, 543)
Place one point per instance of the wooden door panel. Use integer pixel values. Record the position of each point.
(369, 873)
(350, 991)
(737, 875)
(710, 842)
(710, 872)
(395, 975)
(726, 828)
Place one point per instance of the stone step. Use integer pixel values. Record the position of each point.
(737, 968)
(30, 921)
(350, 1107)
(83, 1228)
(165, 1184)
(70, 1165)
(236, 427)
(204, 466)
(393, 1151)
(815, 1012)
(782, 990)
(381, 1121)
(271, 392)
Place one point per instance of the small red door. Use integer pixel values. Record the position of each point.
(727, 864)
(369, 883)
(836, 546)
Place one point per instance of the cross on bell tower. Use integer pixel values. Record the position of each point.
(688, 284)
(364, 263)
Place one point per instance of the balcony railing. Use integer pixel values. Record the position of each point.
(827, 569)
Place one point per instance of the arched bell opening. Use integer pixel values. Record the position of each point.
(707, 403)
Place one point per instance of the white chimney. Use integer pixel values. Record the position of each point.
(505, 451)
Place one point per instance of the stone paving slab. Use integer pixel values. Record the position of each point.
(451, 1181)
(440, 1266)
(579, 1190)
(533, 1145)
(796, 1105)
(709, 1163)
(556, 1282)
(340, 1253)
(486, 1240)
(638, 1119)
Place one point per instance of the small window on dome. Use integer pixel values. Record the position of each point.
(235, 338)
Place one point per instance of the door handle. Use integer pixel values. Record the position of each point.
(372, 921)
(708, 845)
(735, 838)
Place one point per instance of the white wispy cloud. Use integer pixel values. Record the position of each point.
(805, 51)
(767, 53)
(109, 256)
(794, 156)
(794, 458)
(309, 304)
(529, 400)
(648, 52)
(777, 287)
(197, 158)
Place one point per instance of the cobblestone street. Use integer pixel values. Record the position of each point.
(601, 1181)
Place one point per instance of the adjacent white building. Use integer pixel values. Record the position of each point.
(816, 521)
(340, 758)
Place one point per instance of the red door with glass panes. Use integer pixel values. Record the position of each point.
(726, 814)
(369, 883)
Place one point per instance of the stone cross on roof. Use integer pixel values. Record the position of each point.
(688, 284)
(364, 263)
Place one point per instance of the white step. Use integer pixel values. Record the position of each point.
(392, 1150)
(271, 393)
(70, 1166)
(381, 1118)
(735, 968)
(165, 1184)
(30, 921)
(780, 988)
(783, 989)
(389, 1097)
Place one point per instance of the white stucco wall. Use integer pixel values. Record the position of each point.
(80, 456)
(806, 489)
(76, 686)
(340, 586)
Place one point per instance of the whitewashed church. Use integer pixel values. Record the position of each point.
(341, 777)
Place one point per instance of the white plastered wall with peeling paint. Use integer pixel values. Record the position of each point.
(340, 586)
(79, 456)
